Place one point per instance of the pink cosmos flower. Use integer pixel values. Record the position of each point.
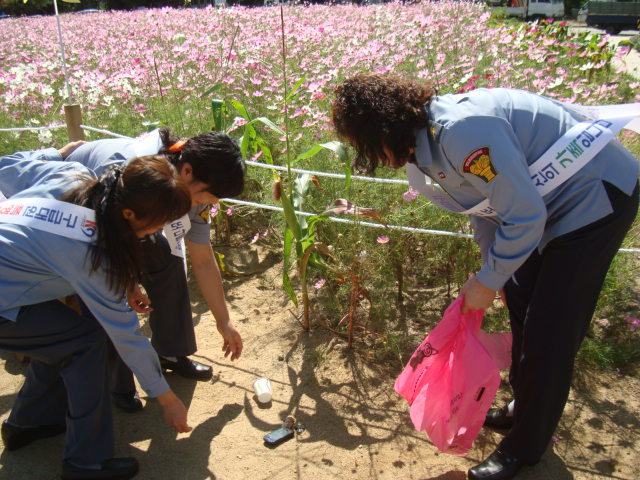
(382, 239)
(319, 284)
(215, 208)
(410, 195)
(255, 238)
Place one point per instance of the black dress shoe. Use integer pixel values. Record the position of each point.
(498, 466)
(498, 418)
(187, 368)
(16, 437)
(112, 469)
(127, 402)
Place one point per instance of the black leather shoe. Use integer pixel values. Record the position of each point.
(112, 469)
(188, 368)
(498, 418)
(16, 437)
(127, 402)
(498, 466)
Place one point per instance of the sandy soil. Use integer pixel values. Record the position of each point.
(357, 427)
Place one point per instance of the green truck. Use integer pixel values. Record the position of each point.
(613, 17)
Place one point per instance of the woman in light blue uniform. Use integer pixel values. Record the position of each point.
(212, 167)
(66, 386)
(548, 254)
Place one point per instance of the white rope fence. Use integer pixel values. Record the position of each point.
(104, 132)
(25, 129)
(354, 222)
(326, 174)
(310, 172)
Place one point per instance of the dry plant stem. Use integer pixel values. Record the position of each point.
(353, 304)
(233, 41)
(164, 103)
(400, 280)
(303, 280)
(285, 87)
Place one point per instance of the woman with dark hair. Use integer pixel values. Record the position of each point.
(212, 167)
(62, 231)
(547, 248)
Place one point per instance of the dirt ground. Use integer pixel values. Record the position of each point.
(357, 427)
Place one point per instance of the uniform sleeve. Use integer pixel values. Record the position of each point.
(484, 233)
(200, 219)
(486, 152)
(22, 170)
(118, 320)
(99, 155)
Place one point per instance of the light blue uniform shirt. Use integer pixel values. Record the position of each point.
(100, 154)
(37, 266)
(516, 128)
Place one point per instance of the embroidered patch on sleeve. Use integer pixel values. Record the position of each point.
(204, 213)
(478, 163)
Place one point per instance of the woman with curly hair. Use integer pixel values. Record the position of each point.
(65, 232)
(546, 251)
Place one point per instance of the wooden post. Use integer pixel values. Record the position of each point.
(73, 119)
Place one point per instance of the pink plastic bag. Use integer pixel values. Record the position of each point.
(452, 378)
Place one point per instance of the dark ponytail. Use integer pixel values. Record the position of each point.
(148, 186)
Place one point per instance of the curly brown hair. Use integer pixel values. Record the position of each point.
(373, 111)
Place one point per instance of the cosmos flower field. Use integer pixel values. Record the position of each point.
(128, 68)
(130, 71)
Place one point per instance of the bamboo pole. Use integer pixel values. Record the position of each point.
(73, 119)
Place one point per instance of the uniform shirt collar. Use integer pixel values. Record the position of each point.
(423, 148)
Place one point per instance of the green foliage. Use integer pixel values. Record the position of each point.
(613, 340)
(32, 7)
(633, 42)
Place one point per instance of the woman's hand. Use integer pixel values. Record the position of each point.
(138, 301)
(174, 411)
(232, 340)
(476, 295)
(70, 147)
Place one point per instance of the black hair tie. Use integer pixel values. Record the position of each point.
(109, 181)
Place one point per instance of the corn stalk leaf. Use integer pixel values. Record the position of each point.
(286, 261)
(290, 215)
(268, 123)
(295, 88)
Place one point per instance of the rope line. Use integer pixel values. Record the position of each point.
(326, 174)
(312, 172)
(24, 129)
(106, 132)
(345, 220)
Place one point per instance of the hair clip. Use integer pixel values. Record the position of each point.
(176, 147)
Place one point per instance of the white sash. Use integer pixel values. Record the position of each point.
(53, 216)
(560, 162)
(148, 144)
(174, 232)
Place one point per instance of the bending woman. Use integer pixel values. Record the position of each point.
(211, 166)
(549, 252)
(62, 231)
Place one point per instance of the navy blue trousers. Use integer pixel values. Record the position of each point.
(66, 380)
(171, 322)
(551, 300)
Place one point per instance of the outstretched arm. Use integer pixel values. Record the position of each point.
(207, 273)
